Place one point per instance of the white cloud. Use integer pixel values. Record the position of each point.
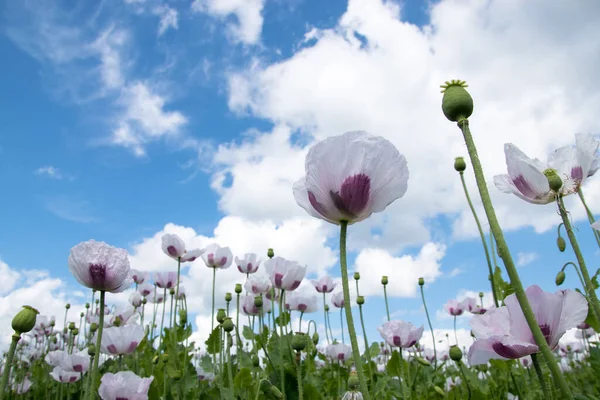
(168, 18)
(445, 337)
(9, 277)
(388, 84)
(50, 171)
(109, 45)
(247, 12)
(526, 258)
(144, 118)
(403, 272)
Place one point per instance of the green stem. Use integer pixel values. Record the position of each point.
(387, 308)
(238, 342)
(509, 263)
(8, 364)
(348, 308)
(481, 234)
(329, 324)
(430, 326)
(325, 319)
(282, 346)
(299, 371)
(455, 337)
(589, 287)
(342, 324)
(94, 374)
(230, 366)
(162, 320)
(212, 316)
(578, 273)
(540, 375)
(367, 352)
(589, 215)
(461, 366)
(177, 292)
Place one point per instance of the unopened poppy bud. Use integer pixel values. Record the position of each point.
(65, 330)
(182, 316)
(315, 338)
(439, 391)
(481, 295)
(299, 341)
(71, 326)
(93, 327)
(67, 306)
(221, 315)
(75, 332)
(255, 360)
(455, 353)
(360, 300)
(457, 103)
(227, 325)
(421, 281)
(91, 350)
(238, 288)
(276, 392)
(353, 382)
(384, 280)
(459, 164)
(87, 305)
(423, 361)
(24, 321)
(144, 301)
(356, 276)
(227, 297)
(82, 314)
(326, 307)
(54, 339)
(52, 322)
(561, 244)
(270, 253)
(560, 278)
(258, 301)
(172, 291)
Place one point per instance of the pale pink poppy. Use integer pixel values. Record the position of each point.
(324, 285)
(216, 256)
(400, 334)
(248, 264)
(119, 340)
(284, 274)
(124, 385)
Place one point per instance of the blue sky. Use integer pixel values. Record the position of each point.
(119, 117)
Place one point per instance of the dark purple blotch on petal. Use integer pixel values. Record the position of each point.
(222, 261)
(506, 351)
(523, 186)
(302, 307)
(172, 251)
(577, 173)
(278, 280)
(397, 341)
(546, 331)
(295, 285)
(320, 208)
(353, 196)
(98, 275)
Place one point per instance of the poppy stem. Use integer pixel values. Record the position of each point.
(348, 308)
(282, 344)
(481, 234)
(430, 326)
(342, 323)
(589, 287)
(387, 308)
(540, 375)
(94, 375)
(509, 264)
(325, 319)
(367, 349)
(174, 314)
(8, 364)
(589, 215)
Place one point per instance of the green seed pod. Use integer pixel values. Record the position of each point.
(24, 321)
(560, 278)
(270, 253)
(258, 301)
(87, 305)
(117, 321)
(82, 314)
(360, 300)
(238, 288)
(65, 330)
(421, 281)
(384, 280)
(93, 327)
(356, 276)
(227, 325)
(353, 382)
(553, 180)
(144, 301)
(221, 315)
(561, 244)
(459, 164)
(326, 307)
(172, 291)
(75, 332)
(71, 326)
(299, 342)
(481, 295)
(439, 391)
(455, 353)
(255, 360)
(276, 392)
(67, 306)
(91, 350)
(457, 103)
(228, 297)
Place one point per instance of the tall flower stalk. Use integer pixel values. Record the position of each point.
(421, 283)
(458, 107)
(589, 214)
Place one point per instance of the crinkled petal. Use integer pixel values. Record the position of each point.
(499, 348)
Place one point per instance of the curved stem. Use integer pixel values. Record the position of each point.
(509, 264)
(387, 308)
(589, 287)
(8, 364)
(430, 326)
(329, 324)
(238, 342)
(578, 273)
(348, 308)
(94, 375)
(589, 215)
(485, 248)
(212, 318)
(229, 366)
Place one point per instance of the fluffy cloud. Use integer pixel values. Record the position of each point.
(526, 258)
(247, 12)
(376, 72)
(168, 18)
(403, 271)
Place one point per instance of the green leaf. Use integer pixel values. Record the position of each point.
(247, 333)
(243, 379)
(373, 350)
(591, 319)
(394, 366)
(283, 319)
(213, 344)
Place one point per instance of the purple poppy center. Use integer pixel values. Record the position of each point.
(295, 285)
(397, 341)
(98, 274)
(577, 173)
(302, 307)
(172, 251)
(122, 398)
(523, 186)
(324, 289)
(506, 351)
(341, 356)
(353, 196)
(278, 280)
(112, 349)
(546, 331)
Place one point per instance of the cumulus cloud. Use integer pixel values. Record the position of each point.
(247, 12)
